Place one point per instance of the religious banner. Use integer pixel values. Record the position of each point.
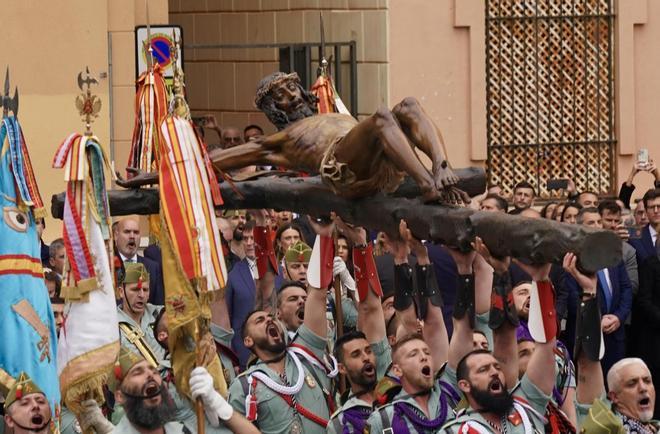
(89, 338)
(193, 262)
(27, 333)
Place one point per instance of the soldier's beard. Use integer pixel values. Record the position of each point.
(150, 417)
(499, 403)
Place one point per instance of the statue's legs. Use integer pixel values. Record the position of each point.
(423, 133)
(380, 134)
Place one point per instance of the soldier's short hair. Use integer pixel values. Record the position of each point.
(462, 370)
(343, 340)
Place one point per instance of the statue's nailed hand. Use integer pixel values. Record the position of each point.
(138, 178)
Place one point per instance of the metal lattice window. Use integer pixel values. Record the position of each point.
(549, 69)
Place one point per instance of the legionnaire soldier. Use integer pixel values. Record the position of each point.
(27, 410)
(483, 380)
(288, 389)
(149, 406)
(428, 391)
(363, 356)
(136, 316)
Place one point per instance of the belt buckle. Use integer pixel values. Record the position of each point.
(388, 431)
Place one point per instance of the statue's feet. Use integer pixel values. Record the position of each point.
(444, 176)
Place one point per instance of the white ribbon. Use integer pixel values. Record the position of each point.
(280, 388)
(331, 371)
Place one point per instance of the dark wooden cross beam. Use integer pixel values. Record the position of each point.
(536, 240)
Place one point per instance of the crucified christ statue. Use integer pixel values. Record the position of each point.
(356, 159)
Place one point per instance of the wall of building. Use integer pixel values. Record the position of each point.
(223, 81)
(437, 54)
(46, 45)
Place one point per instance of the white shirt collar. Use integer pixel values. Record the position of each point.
(654, 234)
(124, 258)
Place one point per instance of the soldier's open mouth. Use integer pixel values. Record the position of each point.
(644, 401)
(37, 419)
(272, 331)
(368, 369)
(301, 313)
(426, 371)
(151, 389)
(495, 385)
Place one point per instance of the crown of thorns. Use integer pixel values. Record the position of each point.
(265, 87)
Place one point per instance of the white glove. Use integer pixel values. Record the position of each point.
(215, 406)
(339, 269)
(92, 417)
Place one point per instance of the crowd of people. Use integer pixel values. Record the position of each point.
(327, 327)
(432, 339)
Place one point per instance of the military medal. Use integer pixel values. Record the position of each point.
(296, 428)
(310, 381)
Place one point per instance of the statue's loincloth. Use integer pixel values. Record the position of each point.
(338, 176)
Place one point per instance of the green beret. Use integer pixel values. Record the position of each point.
(299, 252)
(135, 272)
(126, 360)
(229, 213)
(22, 387)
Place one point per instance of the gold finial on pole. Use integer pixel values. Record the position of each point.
(178, 104)
(88, 105)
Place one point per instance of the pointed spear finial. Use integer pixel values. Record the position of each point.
(323, 62)
(8, 103)
(149, 49)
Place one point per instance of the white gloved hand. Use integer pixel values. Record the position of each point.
(91, 416)
(215, 406)
(339, 269)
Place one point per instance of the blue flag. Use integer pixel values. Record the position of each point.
(28, 339)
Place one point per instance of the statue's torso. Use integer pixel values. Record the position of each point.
(309, 138)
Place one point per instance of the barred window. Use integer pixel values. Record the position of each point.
(549, 69)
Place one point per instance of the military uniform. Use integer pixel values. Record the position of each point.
(358, 407)
(134, 336)
(274, 415)
(444, 397)
(125, 427)
(68, 422)
(224, 337)
(600, 418)
(527, 416)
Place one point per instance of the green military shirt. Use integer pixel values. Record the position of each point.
(224, 337)
(144, 329)
(125, 427)
(68, 422)
(600, 418)
(527, 391)
(383, 354)
(451, 397)
(274, 415)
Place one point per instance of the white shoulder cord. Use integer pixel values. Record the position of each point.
(331, 371)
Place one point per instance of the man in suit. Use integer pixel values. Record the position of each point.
(127, 240)
(614, 293)
(646, 320)
(646, 245)
(241, 290)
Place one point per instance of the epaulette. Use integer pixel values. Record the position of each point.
(336, 413)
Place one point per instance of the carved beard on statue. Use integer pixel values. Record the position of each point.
(278, 116)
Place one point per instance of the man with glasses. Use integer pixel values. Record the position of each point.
(231, 136)
(647, 245)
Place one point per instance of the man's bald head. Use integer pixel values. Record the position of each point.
(127, 236)
(231, 136)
